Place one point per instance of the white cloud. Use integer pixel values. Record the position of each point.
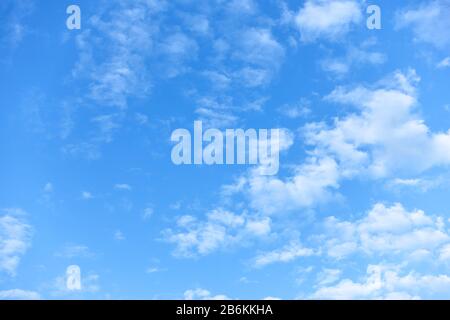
(202, 294)
(153, 270)
(141, 119)
(327, 18)
(444, 254)
(86, 149)
(242, 6)
(328, 276)
(347, 289)
(355, 56)
(115, 47)
(429, 22)
(416, 184)
(15, 25)
(220, 80)
(107, 125)
(18, 294)
(48, 188)
(258, 46)
(122, 186)
(75, 251)
(148, 212)
(382, 136)
(271, 298)
(253, 77)
(386, 133)
(216, 112)
(445, 63)
(385, 231)
(298, 110)
(125, 36)
(286, 254)
(387, 282)
(119, 236)
(86, 195)
(177, 49)
(309, 186)
(197, 23)
(15, 239)
(221, 229)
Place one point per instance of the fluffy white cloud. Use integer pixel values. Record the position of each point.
(309, 186)
(386, 282)
(327, 18)
(384, 135)
(385, 231)
(15, 239)
(220, 229)
(429, 22)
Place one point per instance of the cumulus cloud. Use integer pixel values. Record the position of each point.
(310, 185)
(385, 231)
(220, 229)
(327, 19)
(385, 133)
(377, 139)
(386, 282)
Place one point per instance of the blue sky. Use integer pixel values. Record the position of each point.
(358, 209)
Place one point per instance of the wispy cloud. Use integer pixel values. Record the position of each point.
(429, 22)
(15, 239)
